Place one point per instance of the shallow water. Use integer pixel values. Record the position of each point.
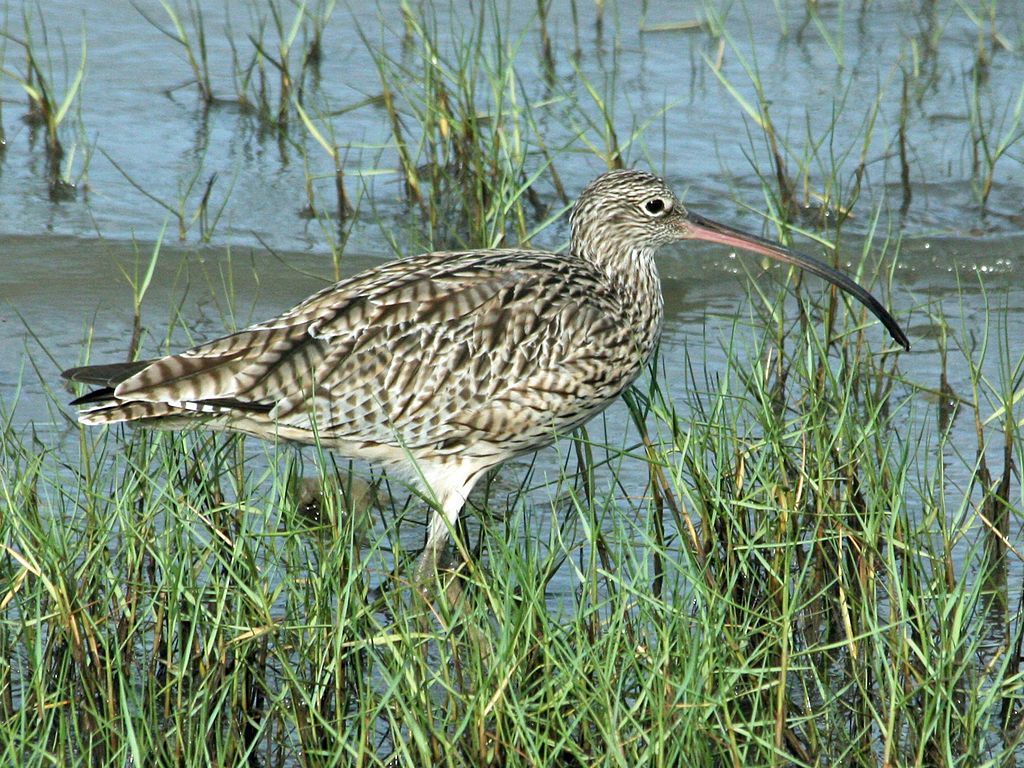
(136, 110)
(63, 283)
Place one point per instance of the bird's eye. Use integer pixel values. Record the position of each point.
(655, 206)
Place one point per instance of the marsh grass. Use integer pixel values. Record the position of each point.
(329, 144)
(188, 31)
(47, 108)
(194, 204)
(459, 124)
(797, 582)
(997, 125)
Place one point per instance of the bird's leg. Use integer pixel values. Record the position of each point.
(441, 522)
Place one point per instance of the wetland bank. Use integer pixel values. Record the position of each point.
(789, 545)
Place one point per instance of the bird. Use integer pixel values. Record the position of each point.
(446, 364)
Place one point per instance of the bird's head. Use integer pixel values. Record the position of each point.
(626, 212)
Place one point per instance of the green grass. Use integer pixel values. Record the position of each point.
(48, 109)
(799, 583)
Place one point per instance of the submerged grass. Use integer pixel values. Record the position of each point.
(47, 108)
(798, 583)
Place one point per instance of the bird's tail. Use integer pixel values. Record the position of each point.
(100, 406)
(108, 375)
(147, 403)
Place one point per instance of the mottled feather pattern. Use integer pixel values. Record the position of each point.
(514, 342)
(492, 352)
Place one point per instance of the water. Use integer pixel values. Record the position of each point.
(137, 110)
(839, 78)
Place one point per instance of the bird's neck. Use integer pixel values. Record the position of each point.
(633, 277)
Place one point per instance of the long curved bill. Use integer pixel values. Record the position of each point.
(696, 227)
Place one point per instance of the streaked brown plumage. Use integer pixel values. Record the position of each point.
(445, 364)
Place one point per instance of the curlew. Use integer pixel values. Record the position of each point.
(446, 364)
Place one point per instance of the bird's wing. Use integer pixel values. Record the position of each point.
(442, 350)
(499, 348)
(255, 364)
